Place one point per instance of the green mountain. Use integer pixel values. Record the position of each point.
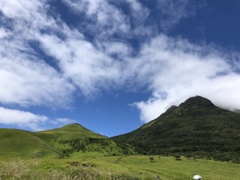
(195, 128)
(66, 141)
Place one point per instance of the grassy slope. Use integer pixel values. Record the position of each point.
(18, 143)
(76, 131)
(70, 131)
(67, 132)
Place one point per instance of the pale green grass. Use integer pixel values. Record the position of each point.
(94, 166)
(18, 143)
(169, 168)
(166, 167)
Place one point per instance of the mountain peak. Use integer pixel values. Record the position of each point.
(193, 105)
(194, 127)
(197, 101)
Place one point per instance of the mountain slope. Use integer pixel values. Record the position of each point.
(195, 126)
(18, 143)
(74, 138)
(59, 142)
(67, 132)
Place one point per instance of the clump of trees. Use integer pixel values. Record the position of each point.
(101, 145)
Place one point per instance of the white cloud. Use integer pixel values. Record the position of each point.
(21, 118)
(14, 9)
(174, 11)
(26, 16)
(3, 33)
(174, 70)
(63, 121)
(104, 18)
(79, 61)
(88, 68)
(28, 120)
(135, 5)
(26, 80)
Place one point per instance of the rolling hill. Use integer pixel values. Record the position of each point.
(66, 141)
(195, 128)
(18, 143)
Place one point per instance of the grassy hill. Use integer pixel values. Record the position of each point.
(64, 133)
(195, 128)
(18, 143)
(66, 141)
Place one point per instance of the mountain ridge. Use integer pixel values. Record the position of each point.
(196, 126)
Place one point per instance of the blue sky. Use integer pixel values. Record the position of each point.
(112, 66)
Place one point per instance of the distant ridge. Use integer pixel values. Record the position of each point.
(194, 128)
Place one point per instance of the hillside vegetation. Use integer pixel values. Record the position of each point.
(195, 128)
(58, 143)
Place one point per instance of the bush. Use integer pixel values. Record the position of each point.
(151, 159)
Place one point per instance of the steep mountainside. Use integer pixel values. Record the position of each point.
(195, 127)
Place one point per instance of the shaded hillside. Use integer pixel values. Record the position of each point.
(59, 142)
(195, 127)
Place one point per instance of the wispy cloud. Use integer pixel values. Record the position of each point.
(172, 12)
(25, 78)
(63, 121)
(103, 18)
(28, 120)
(87, 67)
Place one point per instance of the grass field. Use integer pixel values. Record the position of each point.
(41, 159)
(94, 166)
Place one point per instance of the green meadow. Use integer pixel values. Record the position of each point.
(73, 152)
(95, 166)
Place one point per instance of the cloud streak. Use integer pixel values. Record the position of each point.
(25, 119)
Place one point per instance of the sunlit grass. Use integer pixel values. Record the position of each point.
(118, 167)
